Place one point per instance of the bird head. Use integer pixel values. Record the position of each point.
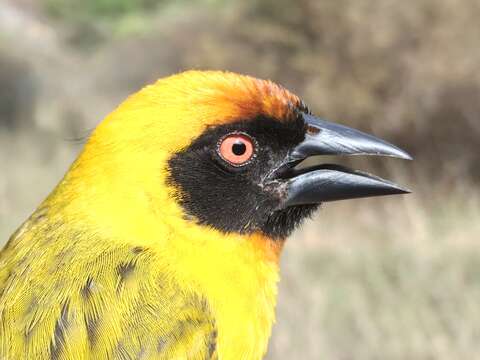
(226, 149)
(196, 180)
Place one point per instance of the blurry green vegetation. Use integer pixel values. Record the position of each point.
(96, 20)
(91, 10)
(91, 21)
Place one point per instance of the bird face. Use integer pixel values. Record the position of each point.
(225, 149)
(228, 176)
(241, 175)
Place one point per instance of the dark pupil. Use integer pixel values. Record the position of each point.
(239, 148)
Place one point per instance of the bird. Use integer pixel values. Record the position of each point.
(162, 240)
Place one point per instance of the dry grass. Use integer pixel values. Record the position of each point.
(383, 279)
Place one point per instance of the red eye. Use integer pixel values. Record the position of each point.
(236, 149)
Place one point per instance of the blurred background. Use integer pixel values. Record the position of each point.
(385, 278)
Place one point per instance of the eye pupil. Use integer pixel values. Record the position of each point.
(239, 148)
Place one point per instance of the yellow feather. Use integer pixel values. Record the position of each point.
(109, 268)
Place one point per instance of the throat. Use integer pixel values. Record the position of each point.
(239, 276)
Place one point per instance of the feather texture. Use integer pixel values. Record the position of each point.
(110, 267)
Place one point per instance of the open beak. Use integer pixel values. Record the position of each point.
(322, 183)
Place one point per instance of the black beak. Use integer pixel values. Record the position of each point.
(332, 182)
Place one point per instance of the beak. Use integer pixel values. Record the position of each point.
(327, 138)
(322, 183)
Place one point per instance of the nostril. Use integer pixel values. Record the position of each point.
(313, 130)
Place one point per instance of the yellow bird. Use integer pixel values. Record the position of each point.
(162, 240)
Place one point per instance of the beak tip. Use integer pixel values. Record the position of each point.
(394, 151)
(403, 191)
(388, 188)
(404, 155)
(391, 188)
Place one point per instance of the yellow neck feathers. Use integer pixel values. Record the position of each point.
(118, 186)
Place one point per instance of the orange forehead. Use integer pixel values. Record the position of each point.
(232, 96)
(173, 111)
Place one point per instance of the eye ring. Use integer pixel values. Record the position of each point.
(236, 149)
